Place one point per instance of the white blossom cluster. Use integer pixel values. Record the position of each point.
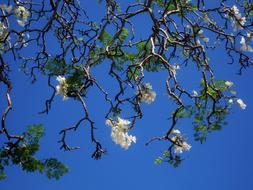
(245, 46)
(229, 84)
(179, 142)
(22, 15)
(236, 18)
(119, 134)
(147, 94)
(250, 35)
(239, 102)
(62, 87)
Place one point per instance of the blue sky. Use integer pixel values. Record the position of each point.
(224, 162)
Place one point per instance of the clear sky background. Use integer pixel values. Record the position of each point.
(224, 162)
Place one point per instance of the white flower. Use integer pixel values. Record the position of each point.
(195, 93)
(243, 42)
(146, 93)
(188, 26)
(180, 144)
(229, 84)
(183, 147)
(119, 132)
(3, 31)
(22, 15)
(123, 123)
(203, 37)
(242, 21)
(198, 42)
(236, 18)
(186, 146)
(241, 104)
(235, 11)
(233, 92)
(174, 69)
(245, 46)
(175, 131)
(62, 87)
(230, 101)
(250, 35)
(200, 32)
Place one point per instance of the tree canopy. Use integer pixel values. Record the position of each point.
(59, 41)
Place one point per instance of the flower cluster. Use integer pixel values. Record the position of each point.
(229, 84)
(174, 69)
(239, 102)
(236, 18)
(179, 142)
(22, 15)
(146, 93)
(250, 35)
(245, 46)
(62, 87)
(119, 134)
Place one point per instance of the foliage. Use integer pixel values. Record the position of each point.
(23, 155)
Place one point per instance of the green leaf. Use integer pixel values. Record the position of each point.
(200, 137)
(220, 85)
(56, 66)
(166, 153)
(198, 118)
(31, 164)
(159, 160)
(124, 34)
(201, 128)
(185, 112)
(105, 38)
(34, 133)
(54, 168)
(2, 174)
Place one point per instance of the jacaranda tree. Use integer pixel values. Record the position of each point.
(180, 35)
